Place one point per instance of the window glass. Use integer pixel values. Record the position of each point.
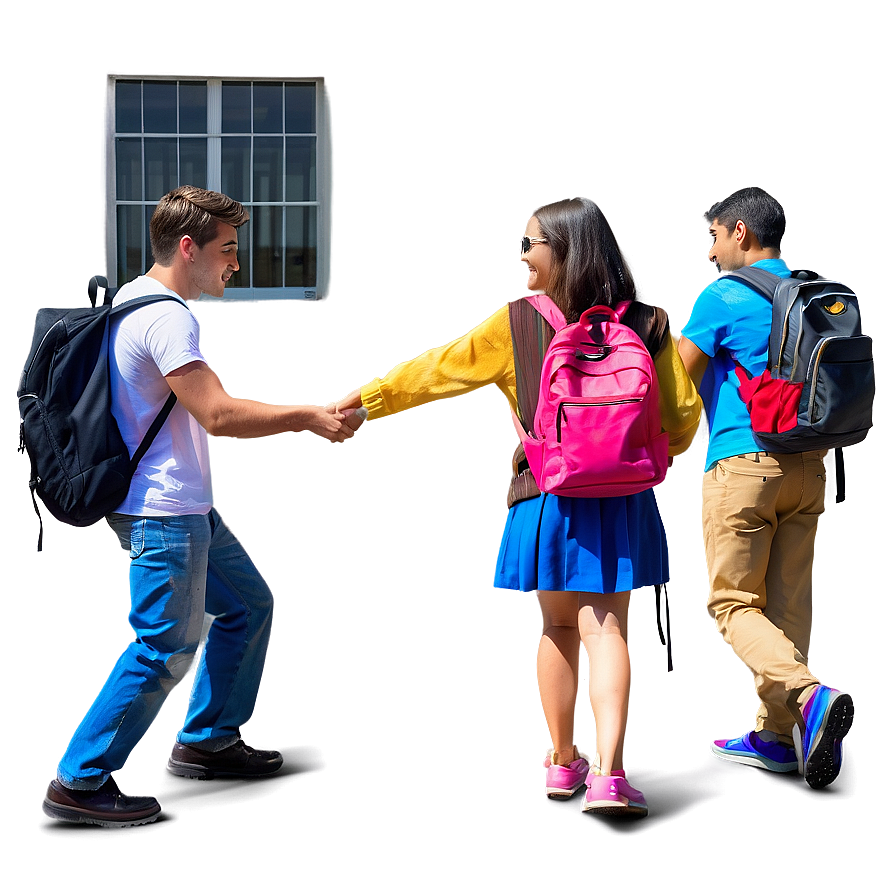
(159, 107)
(267, 169)
(236, 167)
(147, 242)
(129, 168)
(242, 278)
(301, 243)
(193, 162)
(300, 109)
(130, 242)
(267, 242)
(159, 166)
(236, 107)
(193, 110)
(128, 107)
(301, 169)
(267, 108)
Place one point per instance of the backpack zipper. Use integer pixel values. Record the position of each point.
(561, 416)
(37, 351)
(814, 371)
(22, 421)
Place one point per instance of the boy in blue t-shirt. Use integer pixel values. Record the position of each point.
(760, 510)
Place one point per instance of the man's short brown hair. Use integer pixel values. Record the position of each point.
(194, 212)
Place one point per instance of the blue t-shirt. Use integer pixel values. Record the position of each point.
(731, 320)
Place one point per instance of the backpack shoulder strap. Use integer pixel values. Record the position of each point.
(667, 640)
(546, 307)
(766, 284)
(531, 334)
(162, 416)
(152, 432)
(762, 281)
(131, 304)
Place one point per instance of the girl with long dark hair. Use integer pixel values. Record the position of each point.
(583, 556)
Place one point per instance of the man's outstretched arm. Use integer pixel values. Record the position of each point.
(200, 391)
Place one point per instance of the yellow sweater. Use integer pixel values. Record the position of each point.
(485, 355)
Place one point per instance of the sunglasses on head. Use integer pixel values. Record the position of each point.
(529, 241)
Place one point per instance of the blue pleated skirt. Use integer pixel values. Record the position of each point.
(601, 545)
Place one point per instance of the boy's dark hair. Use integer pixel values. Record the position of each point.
(194, 212)
(761, 212)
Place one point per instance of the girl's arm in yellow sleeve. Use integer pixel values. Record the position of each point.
(680, 404)
(482, 356)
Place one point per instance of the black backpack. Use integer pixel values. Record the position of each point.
(80, 466)
(817, 390)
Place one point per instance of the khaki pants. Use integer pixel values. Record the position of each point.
(760, 513)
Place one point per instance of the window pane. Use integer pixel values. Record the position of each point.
(193, 165)
(128, 112)
(128, 168)
(301, 247)
(235, 171)
(267, 108)
(159, 107)
(147, 243)
(193, 114)
(236, 107)
(267, 252)
(130, 242)
(300, 117)
(242, 277)
(267, 170)
(300, 169)
(160, 167)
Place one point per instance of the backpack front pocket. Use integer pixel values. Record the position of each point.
(841, 366)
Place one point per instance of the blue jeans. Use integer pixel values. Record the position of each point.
(182, 567)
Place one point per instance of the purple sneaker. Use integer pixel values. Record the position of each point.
(613, 795)
(562, 780)
(827, 718)
(751, 749)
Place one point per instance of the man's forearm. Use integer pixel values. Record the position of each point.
(694, 360)
(247, 419)
(200, 391)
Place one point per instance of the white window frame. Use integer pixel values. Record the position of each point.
(213, 167)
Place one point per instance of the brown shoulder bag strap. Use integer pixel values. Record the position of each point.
(531, 334)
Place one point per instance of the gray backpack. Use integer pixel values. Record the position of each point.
(817, 390)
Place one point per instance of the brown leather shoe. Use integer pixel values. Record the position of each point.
(236, 761)
(107, 807)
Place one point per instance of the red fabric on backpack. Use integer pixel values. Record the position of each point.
(773, 403)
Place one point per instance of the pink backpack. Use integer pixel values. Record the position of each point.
(596, 430)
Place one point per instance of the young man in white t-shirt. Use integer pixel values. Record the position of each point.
(184, 560)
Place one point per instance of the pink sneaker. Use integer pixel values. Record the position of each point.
(613, 795)
(562, 780)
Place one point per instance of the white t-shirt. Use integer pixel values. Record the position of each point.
(174, 477)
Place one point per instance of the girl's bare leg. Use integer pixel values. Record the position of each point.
(558, 669)
(603, 626)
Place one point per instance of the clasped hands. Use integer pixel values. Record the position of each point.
(342, 419)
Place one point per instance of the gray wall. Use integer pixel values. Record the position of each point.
(399, 683)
